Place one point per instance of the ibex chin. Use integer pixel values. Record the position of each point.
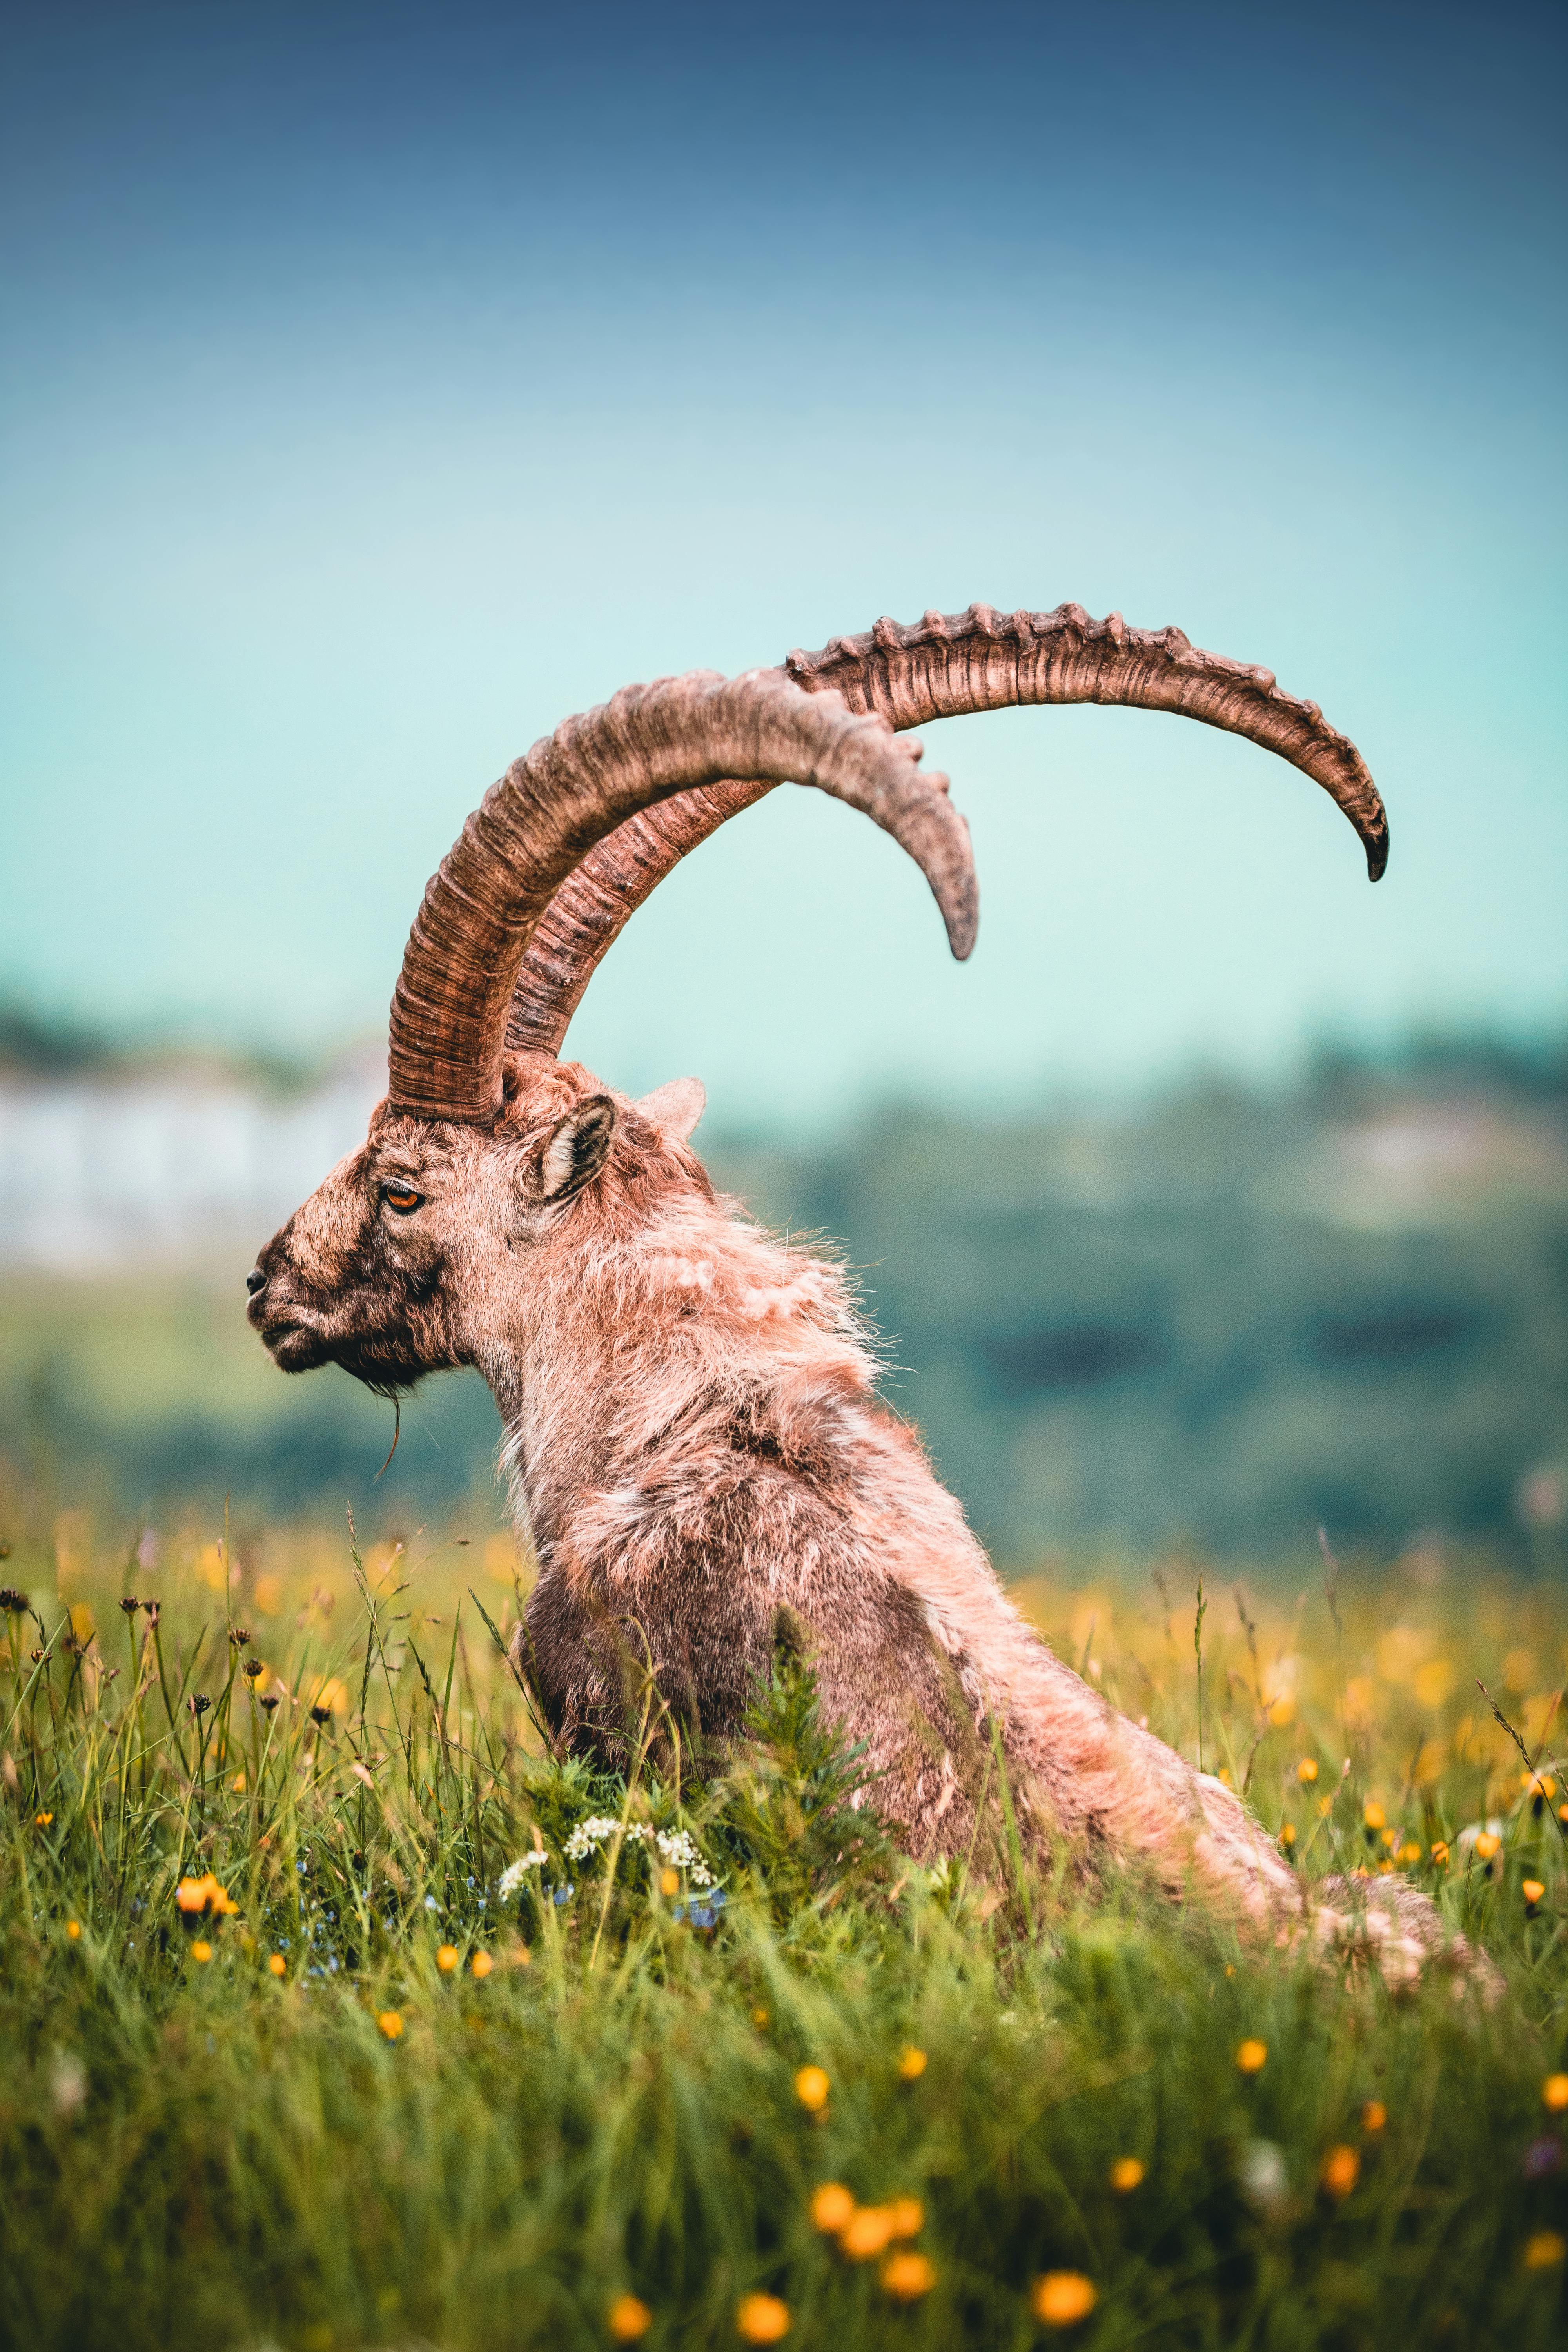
(693, 1437)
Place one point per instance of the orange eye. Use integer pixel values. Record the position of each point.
(401, 1198)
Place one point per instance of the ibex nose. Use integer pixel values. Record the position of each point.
(255, 1280)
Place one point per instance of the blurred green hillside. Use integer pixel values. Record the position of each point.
(1223, 1318)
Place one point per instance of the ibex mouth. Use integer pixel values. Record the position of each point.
(292, 1345)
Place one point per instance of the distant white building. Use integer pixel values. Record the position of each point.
(99, 1169)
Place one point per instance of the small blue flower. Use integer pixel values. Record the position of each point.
(564, 1893)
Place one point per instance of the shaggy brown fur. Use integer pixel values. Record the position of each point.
(693, 1442)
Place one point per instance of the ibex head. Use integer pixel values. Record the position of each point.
(409, 1257)
(492, 1156)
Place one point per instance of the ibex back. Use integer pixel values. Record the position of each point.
(693, 1437)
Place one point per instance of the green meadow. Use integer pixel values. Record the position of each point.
(337, 2012)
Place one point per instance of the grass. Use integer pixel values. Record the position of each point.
(380, 2102)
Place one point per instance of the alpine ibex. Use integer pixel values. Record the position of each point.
(693, 1438)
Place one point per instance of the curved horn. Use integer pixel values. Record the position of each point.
(942, 666)
(449, 1011)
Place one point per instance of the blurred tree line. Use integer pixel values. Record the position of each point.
(1224, 1317)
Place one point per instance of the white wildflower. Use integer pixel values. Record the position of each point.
(514, 1874)
(589, 1834)
(679, 1851)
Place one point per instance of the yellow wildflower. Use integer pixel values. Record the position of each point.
(669, 1882)
(200, 1951)
(759, 2018)
(278, 1965)
(1440, 1851)
(1306, 1769)
(907, 2276)
(1061, 2298)
(908, 2217)
(1325, 1806)
(390, 2023)
(73, 1929)
(868, 2233)
(1287, 1833)
(481, 1964)
(1373, 2116)
(447, 1958)
(831, 2206)
(42, 1821)
(204, 1894)
(1410, 1852)
(762, 2319)
(912, 2064)
(1487, 1844)
(1532, 1889)
(1127, 2174)
(1554, 2092)
(628, 2319)
(1339, 2170)
(1543, 2250)
(811, 2088)
(1374, 1816)
(1539, 1784)
(1252, 2055)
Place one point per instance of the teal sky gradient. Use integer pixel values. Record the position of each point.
(380, 387)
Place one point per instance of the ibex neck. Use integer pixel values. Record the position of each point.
(638, 1363)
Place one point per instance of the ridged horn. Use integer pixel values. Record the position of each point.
(942, 666)
(532, 829)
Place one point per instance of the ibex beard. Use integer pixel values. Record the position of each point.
(694, 1442)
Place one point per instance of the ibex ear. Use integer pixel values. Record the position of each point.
(675, 1107)
(576, 1149)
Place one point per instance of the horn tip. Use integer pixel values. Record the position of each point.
(962, 916)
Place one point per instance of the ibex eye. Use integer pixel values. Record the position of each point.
(401, 1198)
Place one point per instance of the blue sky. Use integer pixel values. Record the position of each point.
(380, 386)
